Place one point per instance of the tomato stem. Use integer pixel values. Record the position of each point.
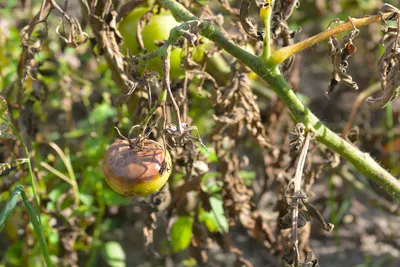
(165, 52)
(265, 15)
(272, 75)
(283, 53)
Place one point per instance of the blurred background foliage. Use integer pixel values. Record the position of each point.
(73, 108)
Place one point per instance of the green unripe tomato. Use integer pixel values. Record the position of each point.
(131, 172)
(157, 29)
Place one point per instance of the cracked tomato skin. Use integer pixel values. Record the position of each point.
(132, 172)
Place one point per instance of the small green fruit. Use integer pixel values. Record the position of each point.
(157, 29)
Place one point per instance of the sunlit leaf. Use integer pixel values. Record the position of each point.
(218, 210)
(209, 153)
(209, 220)
(214, 220)
(181, 233)
(114, 254)
(209, 184)
(37, 227)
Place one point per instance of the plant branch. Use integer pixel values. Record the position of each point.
(283, 53)
(297, 195)
(165, 52)
(163, 94)
(362, 161)
(265, 15)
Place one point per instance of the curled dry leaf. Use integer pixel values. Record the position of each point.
(283, 36)
(340, 53)
(242, 110)
(389, 65)
(179, 135)
(317, 215)
(296, 137)
(246, 22)
(33, 37)
(75, 36)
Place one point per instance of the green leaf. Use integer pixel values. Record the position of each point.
(101, 113)
(214, 220)
(113, 254)
(12, 256)
(10, 205)
(181, 233)
(209, 183)
(36, 226)
(247, 176)
(209, 153)
(208, 219)
(217, 208)
(111, 198)
(86, 199)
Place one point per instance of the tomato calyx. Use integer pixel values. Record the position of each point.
(136, 144)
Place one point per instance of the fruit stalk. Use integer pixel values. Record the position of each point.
(265, 15)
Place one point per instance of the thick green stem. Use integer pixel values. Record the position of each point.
(362, 161)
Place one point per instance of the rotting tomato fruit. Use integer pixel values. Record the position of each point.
(157, 29)
(136, 171)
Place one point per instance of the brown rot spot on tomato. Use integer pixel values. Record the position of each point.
(136, 171)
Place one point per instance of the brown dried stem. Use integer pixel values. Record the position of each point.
(298, 194)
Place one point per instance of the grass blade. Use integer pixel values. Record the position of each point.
(10, 205)
(38, 229)
(8, 209)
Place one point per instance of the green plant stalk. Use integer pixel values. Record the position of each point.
(161, 99)
(38, 229)
(8, 209)
(363, 162)
(35, 217)
(35, 196)
(97, 227)
(265, 15)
